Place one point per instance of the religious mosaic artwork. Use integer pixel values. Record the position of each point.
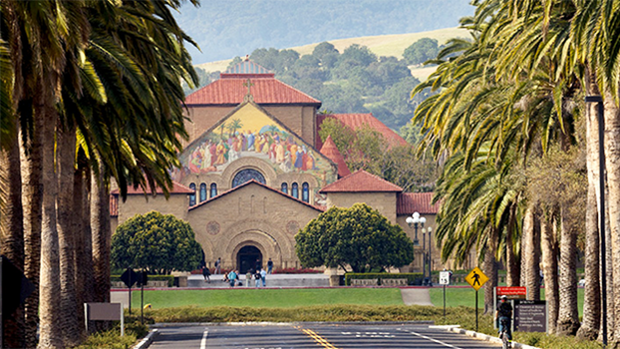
(251, 133)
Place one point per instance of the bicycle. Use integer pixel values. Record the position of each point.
(503, 335)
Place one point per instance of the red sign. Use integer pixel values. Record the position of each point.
(518, 292)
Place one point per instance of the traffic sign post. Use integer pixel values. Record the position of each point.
(444, 280)
(129, 277)
(476, 279)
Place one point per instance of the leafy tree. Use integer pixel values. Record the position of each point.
(157, 243)
(421, 51)
(324, 49)
(358, 237)
(358, 54)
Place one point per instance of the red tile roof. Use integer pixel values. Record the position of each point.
(356, 121)
(361, 182)
(408, 203)
(229, 90)
(330, 150)
(253, 181)
(177, 188)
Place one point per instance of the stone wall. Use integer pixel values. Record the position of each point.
(382, 202)
(252, 215)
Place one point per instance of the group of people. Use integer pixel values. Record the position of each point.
(233, 278)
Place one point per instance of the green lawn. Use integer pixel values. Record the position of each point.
(268, 298)
(467, 297)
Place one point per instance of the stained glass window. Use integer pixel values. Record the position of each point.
(192, 198)
(213, 190)
(295, 190)
(203, 192)
(285, 188)
(247, 175)
(305, 192)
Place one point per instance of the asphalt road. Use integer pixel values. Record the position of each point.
(313, 336)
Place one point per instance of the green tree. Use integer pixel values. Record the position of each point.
(359, 239)
(324, 49)
(157, 243)
(421, 51)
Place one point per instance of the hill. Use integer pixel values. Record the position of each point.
(381, 45)
(227, 28)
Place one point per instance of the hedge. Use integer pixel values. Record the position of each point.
(411, 277)
(168, 278)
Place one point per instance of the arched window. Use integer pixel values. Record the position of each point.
(246, 176)
(192, 198)
(285, 188)
(203, 192)
(295, 190)
(213, 190)
(305, 192)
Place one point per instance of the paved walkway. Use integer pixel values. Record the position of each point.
(416, 296)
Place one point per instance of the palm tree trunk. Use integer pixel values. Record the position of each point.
(66, 236)
(490, 270)
(84, 286)
(592, 293)
(12, 232)
(50, 330)
(101, 236)
(550, 269)
(512, 264)
(568, 316)
(32, 198)
(612, 159)
(530, 266)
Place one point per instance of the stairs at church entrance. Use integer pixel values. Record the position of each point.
(272, 280)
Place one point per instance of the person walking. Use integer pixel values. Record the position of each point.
(503, 316)
(269, 266)
(218, 264)
(263, 276)
(248, 277)
(257, 278)
(206, 273)
(232, 278)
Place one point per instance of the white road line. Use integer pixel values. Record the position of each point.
(203, 343)
(433, 340)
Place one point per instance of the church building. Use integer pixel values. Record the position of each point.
(255, 171)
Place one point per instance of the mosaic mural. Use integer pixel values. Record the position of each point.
(251, 133)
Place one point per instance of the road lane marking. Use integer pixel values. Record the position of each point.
(317, 338)
(434, 340)
(203, 342)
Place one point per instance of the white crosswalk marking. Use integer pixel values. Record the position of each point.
(433, 340)
(203, 342)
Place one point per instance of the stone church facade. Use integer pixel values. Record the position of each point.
(254, 171)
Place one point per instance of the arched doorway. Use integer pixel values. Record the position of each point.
(246, 258)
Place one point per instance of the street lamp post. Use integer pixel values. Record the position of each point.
(414, 221)
(430, 277)
(601, 212)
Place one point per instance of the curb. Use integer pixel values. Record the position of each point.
(146, 341)
(268, 323)
(488, 338)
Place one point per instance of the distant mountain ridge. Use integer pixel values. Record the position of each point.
(227, 28)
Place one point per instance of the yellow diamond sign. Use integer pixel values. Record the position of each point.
(476, 278)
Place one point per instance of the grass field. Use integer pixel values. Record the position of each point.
(268, 298)
(456, 297)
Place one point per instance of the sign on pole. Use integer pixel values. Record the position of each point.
(530, 316)
(444, 277)
(476, 278)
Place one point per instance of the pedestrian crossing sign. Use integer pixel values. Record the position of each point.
(476, 278)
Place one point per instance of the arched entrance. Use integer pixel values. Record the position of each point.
(246, 258)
